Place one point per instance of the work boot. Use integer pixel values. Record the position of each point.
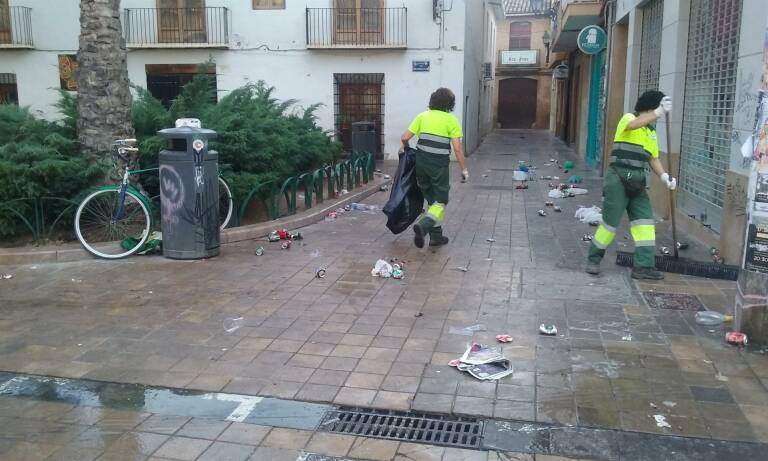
(646, 273)
(593, 268)
(418, 235)
(436, 237)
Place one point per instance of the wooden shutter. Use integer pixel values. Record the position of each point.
(5, 22)
(520, 35)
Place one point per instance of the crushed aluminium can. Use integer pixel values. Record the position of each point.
(586, 238)
(542, 213)
(547, 330)
(558, 209)
(736, 338)
(286, 245)
(273, 237)
(397, 274)
(682, 246)
(259, 251)
(283, 234)
(664, 250)
(320, 272)
(296, 236)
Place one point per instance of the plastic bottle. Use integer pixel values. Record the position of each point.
(711, 318)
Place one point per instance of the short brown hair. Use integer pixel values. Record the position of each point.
(442, 99)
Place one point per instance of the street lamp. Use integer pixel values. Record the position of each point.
(547, 41)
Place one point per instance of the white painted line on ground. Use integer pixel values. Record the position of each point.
(245, 407)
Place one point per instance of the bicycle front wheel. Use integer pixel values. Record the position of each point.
(226, 204)
(105, 234)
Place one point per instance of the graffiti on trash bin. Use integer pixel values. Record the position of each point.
(171, 194)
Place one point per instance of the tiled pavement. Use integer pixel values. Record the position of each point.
(357, 340)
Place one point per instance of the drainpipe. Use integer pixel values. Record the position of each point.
(609, 18)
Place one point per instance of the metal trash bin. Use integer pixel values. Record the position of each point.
(364, 138)
(189, 194)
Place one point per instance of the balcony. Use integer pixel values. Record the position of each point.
(16, 27)
(176, 27)
(357, 28)
(572, 16)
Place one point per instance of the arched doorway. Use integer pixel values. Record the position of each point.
(517, 102)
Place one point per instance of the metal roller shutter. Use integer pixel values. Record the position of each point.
(710, 91)
(650, 46)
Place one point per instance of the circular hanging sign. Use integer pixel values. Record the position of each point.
(591, 39)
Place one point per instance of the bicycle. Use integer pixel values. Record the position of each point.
(115, 221)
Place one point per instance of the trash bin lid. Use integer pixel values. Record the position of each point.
(186, 132)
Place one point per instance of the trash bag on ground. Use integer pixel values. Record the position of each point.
(406, 201)
(591, 214)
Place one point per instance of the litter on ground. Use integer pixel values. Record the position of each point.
(547, 330)
(467, 331)
(382, 269)
(589, 215)
(483, 362)
(503, 338)
(661, 421)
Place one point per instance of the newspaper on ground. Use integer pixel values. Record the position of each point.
(484, 362)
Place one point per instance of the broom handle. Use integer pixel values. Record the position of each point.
(671, 192)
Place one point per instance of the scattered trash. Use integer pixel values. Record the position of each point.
(386, 176)
(232, 324)
(286, 245)
(653, 405)
(521, 186)
(547, 330)
(397, 271)
(627, 337)
(661, 421)
(461, 269)
(555, 193)
(542, 213)
(721, 377)
(343, 192)
(669, 404)
(418, 314)
(382, 269)
(467, 331)
(549, 204)
(567, 164)
(77, 280)
(363, 207)
(547, 178)
(259, 251)
(736, 338)
(384, 188)
(6, 276)
(490, 240)
(711, 318)
(664, 250)
(586, 238)
(589, 215)
(503, 338)
(557, 209)
(273, 237)
(320, 272)
(577, 191)
(520, 175)
(485, 175)
(296, 236)
(575, 179)
(483, 362)
(682, 245)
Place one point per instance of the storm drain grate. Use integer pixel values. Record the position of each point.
(673, 301)
(410, 427)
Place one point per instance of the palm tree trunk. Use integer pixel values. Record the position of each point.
(104, 95)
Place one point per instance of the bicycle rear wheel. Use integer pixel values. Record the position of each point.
(225, 204)
(110, 238)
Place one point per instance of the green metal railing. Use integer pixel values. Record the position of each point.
(41, 215)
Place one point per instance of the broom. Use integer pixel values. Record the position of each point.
(675, 264)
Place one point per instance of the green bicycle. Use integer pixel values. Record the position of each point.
(115, 221)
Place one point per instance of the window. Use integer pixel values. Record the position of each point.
(182, 21)
(358, 21)
(268, 4)
(358, 98)
(5, 22)
(520, 35)
(8, 91)
(165, 81)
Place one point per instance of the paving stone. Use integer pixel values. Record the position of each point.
(223, 451)
(373, 449)
(182, 448)
(287, 438)
(330, 444)
(203, 428)
(248, 434)
(163, 424)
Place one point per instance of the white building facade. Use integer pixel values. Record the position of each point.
(364, 60)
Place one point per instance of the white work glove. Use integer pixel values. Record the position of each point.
(464, 175)
(664, 107)
(670, 182)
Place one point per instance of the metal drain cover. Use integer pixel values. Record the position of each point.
(410, 427)
(673, 301)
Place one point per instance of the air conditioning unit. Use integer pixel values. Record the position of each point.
(487, 71)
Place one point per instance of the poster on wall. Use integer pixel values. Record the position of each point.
(68, 72)
(757, 248)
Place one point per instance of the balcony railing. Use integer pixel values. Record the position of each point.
(357, 27)
(16, 27)
(176, 27)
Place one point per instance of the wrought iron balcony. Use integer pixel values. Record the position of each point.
(176, 27)
(16, 27)
(357, 27)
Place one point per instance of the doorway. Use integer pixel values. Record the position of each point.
(181, 21)
(358, 98)
(517, 102)
(358, 22)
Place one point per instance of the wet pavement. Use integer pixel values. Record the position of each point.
(351, 339)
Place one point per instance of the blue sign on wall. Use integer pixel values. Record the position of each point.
(420, 66)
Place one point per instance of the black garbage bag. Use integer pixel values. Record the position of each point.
(406, 201)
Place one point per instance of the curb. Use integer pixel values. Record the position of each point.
(74, 252)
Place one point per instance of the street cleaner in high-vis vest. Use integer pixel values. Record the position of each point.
(438, 131)
(635, 148)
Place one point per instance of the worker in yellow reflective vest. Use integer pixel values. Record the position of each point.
(635, 148)
(438, 131)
